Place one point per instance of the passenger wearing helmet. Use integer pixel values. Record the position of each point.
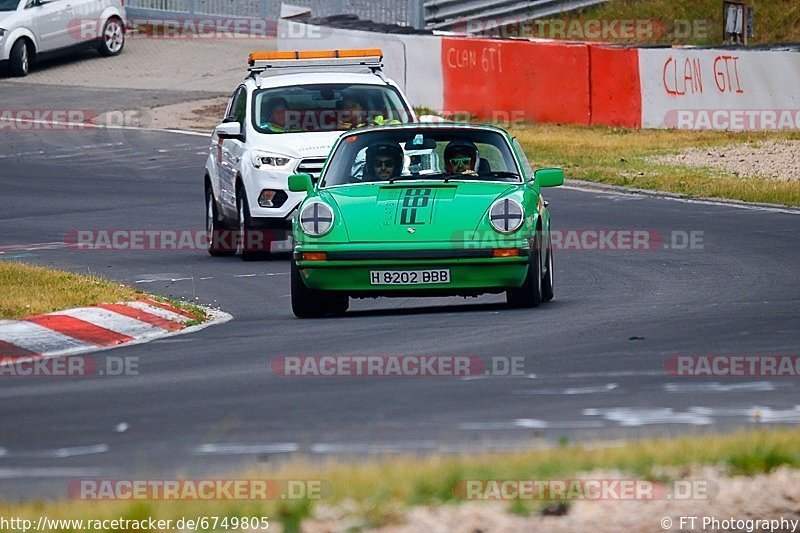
(384, 162)
(461, 157)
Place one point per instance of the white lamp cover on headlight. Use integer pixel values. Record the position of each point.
(506, 215)
(316, 219)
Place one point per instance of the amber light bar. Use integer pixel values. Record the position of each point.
(314, 54)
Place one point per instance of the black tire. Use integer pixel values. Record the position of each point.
(221, 239)
(112, 40)
(252, 244)
(312, 303)
(19, 61)
(530, 294)
(548, 277)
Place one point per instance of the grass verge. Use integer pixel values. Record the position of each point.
(376, 491)
(31, 290)
(698, 22)
(621, 157)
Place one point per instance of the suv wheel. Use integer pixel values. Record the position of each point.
(19, 59)
(252, 244)
(221, 240)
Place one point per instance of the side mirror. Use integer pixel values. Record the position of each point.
(301, 183)
(549, 177)
(229, 130)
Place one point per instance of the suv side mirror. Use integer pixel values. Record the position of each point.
(549, 177)
(301, 183)
(229, 130)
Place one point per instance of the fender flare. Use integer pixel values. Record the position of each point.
(14, 36)
(109, 12)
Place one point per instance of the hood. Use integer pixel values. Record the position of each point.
(298, 145)
(414, 212)
(9, 19)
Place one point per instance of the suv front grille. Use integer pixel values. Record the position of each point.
(311, 166)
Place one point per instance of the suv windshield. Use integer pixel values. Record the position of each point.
(422, 153)
(8, 5)
(326, 107)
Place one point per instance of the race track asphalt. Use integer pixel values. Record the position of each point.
(209, 403)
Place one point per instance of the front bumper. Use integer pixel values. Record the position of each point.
(347, 268)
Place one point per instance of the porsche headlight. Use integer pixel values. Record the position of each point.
(506, 215)
(316, 219)
(266, 160)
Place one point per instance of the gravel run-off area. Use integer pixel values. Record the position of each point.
(770, 159)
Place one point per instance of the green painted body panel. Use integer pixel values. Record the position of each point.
(409, 217)
(497, 273)
(434, 210)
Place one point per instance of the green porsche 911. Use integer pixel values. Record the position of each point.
(422, 210)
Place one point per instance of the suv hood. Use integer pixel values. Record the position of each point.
(297, 145)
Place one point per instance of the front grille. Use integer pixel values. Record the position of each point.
(311, 166)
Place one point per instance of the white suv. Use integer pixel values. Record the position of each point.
(282, 120)
(30, 30)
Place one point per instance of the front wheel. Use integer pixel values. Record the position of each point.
(112, 41)
(313, 303)
(19, 62)
(530, 294)
(220, 239)
(252, 244)
(547, 279)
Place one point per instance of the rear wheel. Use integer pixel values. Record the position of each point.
(313, 303)
(220, 239)
(252, 244)
(19, 63)
(112, 41)
(530, 294)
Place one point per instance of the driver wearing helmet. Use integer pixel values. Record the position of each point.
(384, 161)
(461, 157)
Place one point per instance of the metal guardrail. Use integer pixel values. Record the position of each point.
(445, 14)
(430, 14)
(403, 12)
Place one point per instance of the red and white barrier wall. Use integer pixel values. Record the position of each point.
(580, 83)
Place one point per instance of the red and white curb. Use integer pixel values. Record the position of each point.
(100, 327)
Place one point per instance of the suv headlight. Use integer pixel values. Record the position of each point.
(316, 219)
(267, 160)
(506, 215)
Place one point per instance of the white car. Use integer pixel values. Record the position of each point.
(282, 120)
(31, 30)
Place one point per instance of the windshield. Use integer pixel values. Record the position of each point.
(422, 153)
(327, 107)
(8, 5)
